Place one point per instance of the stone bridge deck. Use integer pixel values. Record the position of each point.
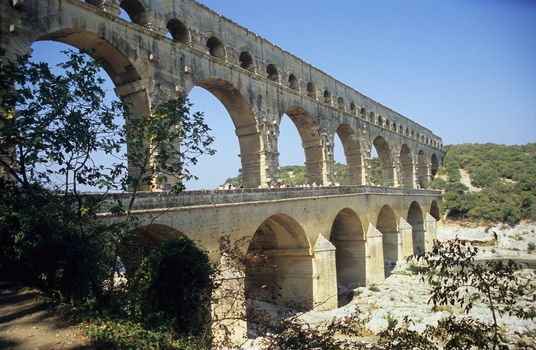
(156, 200)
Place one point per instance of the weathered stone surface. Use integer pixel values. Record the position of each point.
(255, 80)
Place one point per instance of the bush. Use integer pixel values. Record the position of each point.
(173, 286)
(119, 335)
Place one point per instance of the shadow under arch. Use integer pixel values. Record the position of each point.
(283, 274)
(434, 210)
(384, 153)
(416, 220)
(352, 153)
(244, 121)
(311, 143)
(434, 165)
(387, 225)
(422, 169)
(406, 163)
(348, 237)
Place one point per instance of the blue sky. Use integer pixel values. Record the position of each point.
(464, 69)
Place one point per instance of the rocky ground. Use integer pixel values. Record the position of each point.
(404, 294)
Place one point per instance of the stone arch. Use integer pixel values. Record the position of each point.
(362, 113)
(387, 225)
(311, 142)
(434, 210)
(434, 161)
(352, 153)
(348, 237)
(245, 124)
(285, 272)
(416, 220)
(178, 30)
(119, 68)
(311, 90)
(215, 47)
(387, 124)
(340, 103)
(136, 11)
(246, 61)
(380, 120)
(353, 108)
(422, 170)
(372, 117)
(293, 82)
(395, 127)
(272, 73)
(327, 97)
(384, 153)
(406, 163)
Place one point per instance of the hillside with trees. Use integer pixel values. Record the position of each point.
(504, 178)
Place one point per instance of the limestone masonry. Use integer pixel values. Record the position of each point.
(320, 241)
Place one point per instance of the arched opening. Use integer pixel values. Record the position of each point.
(178, 31)
(422, 170)
(311, 90)
(353, 108)
(352, 155)
(395, 129)
(362, 112)
(119, 69)
(435, 165)
(272, 73)
(406, 132)
(246, 61)
(386, 224)
(215, 47)
(387, 124)
(406, 163)
(223, 98)
(135, 11)
(415, 219)
(434, 210)
(284, 274)
(310, 143)
(347, 235)
(293, 82)
(372, 117)
(340, 103)
(384, 155)
(327, 97)
(380, 120)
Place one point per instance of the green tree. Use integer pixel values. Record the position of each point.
(53, 127)
(173, 285)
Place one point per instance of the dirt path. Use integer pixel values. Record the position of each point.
(26, 324)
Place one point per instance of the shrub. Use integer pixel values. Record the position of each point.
(119, 335)
(374, 288)
(173, 286)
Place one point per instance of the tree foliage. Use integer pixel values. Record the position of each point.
(505, 175)
(55, 130)
(173, 284)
